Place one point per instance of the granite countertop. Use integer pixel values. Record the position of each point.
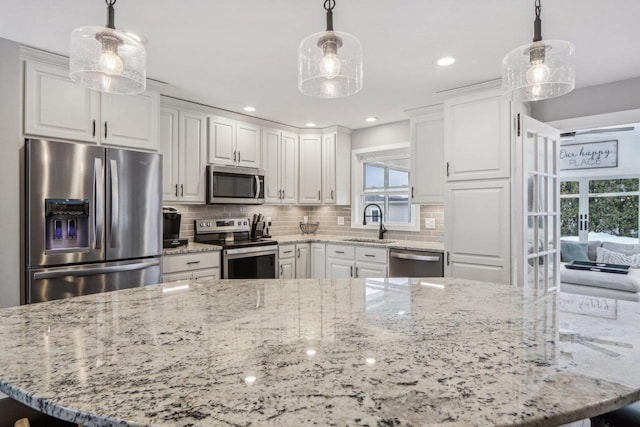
(386, 243)
(440, 352)
(191, 248)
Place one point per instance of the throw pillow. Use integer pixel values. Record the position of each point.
(573, 251)
(610, 257)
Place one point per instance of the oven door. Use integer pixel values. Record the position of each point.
(235, 185)
(258, 262)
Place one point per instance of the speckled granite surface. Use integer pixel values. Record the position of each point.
(191, 248)
(440, 352)
(341, 240)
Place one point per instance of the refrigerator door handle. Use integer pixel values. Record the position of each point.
(115, 209)
(95, 270)
(98, 202)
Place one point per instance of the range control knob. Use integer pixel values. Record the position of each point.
(208, 224)
(202, 224)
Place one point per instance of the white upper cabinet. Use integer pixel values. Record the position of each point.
(183, 146)
(57, 107)
(234, 143)
(310, 176)
(54, 106)
(336, 167)
(427, 156)
(477, 136)
(280, 164)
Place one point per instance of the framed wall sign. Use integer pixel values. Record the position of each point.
(589, 155)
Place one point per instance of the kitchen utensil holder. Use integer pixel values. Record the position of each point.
(309, 227)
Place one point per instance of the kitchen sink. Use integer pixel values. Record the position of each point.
(363, 240)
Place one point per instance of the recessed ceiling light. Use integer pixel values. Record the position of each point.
(370, 119)
(445, 60)
(310, 125)
(249, 109)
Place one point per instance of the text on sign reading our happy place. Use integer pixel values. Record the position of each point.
(590, 155)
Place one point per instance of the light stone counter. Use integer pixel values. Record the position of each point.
(442, 352)
(191, 247)
(386, 243)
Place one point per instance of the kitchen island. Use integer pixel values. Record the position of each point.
(346, 352)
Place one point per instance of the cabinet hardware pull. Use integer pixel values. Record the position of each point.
(447, 168)
(94, 128)
(331, 194)
(281, 270)
(448, 256)
(181, 190)
(238, 156)
(234, 156)
(288, 252)
(176, 190)
(319, 197)
(370, 256)
(105, 130)
(193, 262)
(280, 194)
(356, 271)
(351, 274)
(518, 125)
(283, 194)
(412, 192)
(339, 252)
(298, 252)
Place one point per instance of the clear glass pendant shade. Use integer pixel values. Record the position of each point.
(107, 60)
(330, 65)
(539, 70)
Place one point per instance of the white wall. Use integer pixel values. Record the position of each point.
(390, 133)
(10, 143)
(606, 98)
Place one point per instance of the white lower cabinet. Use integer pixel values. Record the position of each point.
(192, 266)
(318, 261)
(344, 262)
(293, 261)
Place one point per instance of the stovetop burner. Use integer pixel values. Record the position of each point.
(228, 233)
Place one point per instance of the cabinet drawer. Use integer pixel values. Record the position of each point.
(339, 251)
(371, 254)
(172, 277)
(286, 251)
(206, 274)
(187, 262)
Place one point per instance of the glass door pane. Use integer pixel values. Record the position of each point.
(613, 210)
(570, 210)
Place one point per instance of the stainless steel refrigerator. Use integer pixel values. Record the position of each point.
(93, 219)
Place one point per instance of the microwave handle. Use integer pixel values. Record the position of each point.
(257, 186)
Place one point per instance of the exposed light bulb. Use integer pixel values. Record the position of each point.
(111, 63)
(330, 65)
(538, 74)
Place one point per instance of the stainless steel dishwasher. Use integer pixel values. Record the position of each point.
(404, 263)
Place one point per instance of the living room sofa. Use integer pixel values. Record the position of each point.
(599, 284)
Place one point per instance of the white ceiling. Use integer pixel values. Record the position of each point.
(232, 53)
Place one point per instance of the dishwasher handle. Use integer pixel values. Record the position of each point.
(413, 257)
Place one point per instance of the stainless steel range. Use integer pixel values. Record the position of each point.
(243, 256)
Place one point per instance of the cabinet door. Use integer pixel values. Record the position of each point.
(368, 270)
(54, 106)
(193, 156)
(289, 168)
(427, 160)
(207, 274)
(329, 168)
(130, 120)
(287, 268)
(310, 182)
(169, 148)
(172, 277)
(477, 136)
(478, 218)
(302, 261)
(222, 137)
(339, 269)
(248, 145)
(272, 190)
(318, 260)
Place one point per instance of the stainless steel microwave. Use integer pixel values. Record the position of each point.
(233, 185)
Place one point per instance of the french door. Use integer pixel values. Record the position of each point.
(537, 188)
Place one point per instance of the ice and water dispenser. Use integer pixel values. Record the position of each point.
(67, 224)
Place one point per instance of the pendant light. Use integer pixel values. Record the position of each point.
(108, 60)
(330, 62)
(539, 70)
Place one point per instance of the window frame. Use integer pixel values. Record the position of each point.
(359, 158)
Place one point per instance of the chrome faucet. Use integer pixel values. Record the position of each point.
(364, 219)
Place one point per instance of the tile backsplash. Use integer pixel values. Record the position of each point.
(285, 220)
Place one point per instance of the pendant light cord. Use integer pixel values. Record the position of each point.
(537, 24)
(110, 14)
(328, 6)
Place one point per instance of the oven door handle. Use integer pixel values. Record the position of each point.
(252, 250)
